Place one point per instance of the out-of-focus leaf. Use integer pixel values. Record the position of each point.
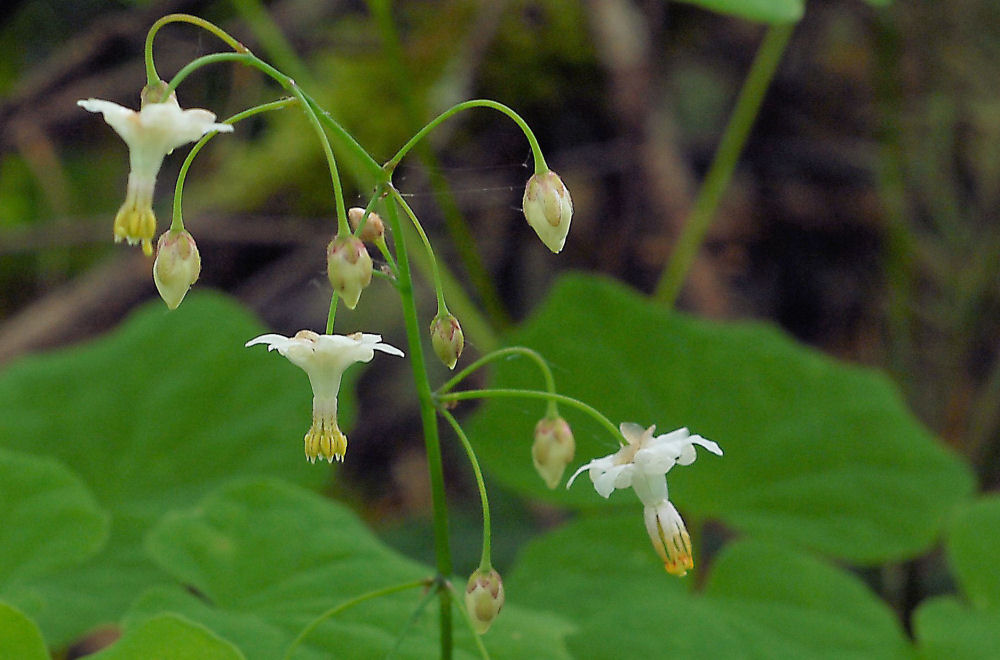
(20, 638)
(48, 518)
(169, 636)
(260, 560)
(948, 629)
(152, 417)
(973, 545)
(817, 453)
(761, 11)
(760, 601)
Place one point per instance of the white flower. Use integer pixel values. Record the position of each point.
(324, 359)
(152, 133)
(642, 465)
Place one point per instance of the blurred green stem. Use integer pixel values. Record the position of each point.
(334, 611)
(428, 416)
(721, 170)
(458, 229)
(550, 383)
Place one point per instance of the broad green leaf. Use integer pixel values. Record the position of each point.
(48, 518)
(818, 453)
(20, 638)
(973, 545)
(947, 629)
(762, 11)
(152, 417)
(169, 636)
(760, 600)
(260, 560)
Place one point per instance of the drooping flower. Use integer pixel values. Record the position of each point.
(642, 464)
(324, 358)
(152, 133)
(447, 339)
(548, 208)
(349, 267)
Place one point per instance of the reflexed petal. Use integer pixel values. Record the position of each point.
(633, 432)
(707, 444)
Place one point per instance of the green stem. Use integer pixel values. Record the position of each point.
(540, 166)
(485, 561)
(289, 84)
(332, 314)
(550, 383)
(723, 164)
(455, 223)
(177, 224)
(483, 653)
(435, 272)
(533, 394)
(378, 593)
(417, 611)
(428, 416)
(151, 76)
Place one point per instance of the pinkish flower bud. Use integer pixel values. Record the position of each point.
(553, 449)
(349, 268)
(447, 339)
(548, 208)
(177, 266)
(484, 598)
(373, 228)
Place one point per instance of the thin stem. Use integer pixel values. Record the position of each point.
(151, 76)
(332, 314)
(343, 228)
(177, 224)
(378, 593)
(721, 170)
(550, 383)
(455, 223)
(483, 653)
(533, 394)
(485, 561)
(435, 272)
(409, 623)
(428, 416)
(540, 166)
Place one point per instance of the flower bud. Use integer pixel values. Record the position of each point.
(374, 228)
(447, 339)
(553, 449)
(548, 209)
(177, 266)
(349, 268)
(484, 598)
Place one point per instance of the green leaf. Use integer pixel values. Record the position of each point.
(760, 601)
(762, 11)
(20, 638)
(260, 560)
(947, 628)
(169, 636)
(152, 417)
(973, 542)
(817, 453)
(48, 518)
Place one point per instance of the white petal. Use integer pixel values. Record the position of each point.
(273, 341)
(632, 432)
(707, 444)
(387, 348)
(657, 459)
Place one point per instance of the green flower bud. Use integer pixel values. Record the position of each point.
(447, 339)
(177, 266)
(548, 208)
(553, 449)
(484, 598)
(349, 268)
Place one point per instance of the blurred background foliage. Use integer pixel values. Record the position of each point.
(862, 217)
